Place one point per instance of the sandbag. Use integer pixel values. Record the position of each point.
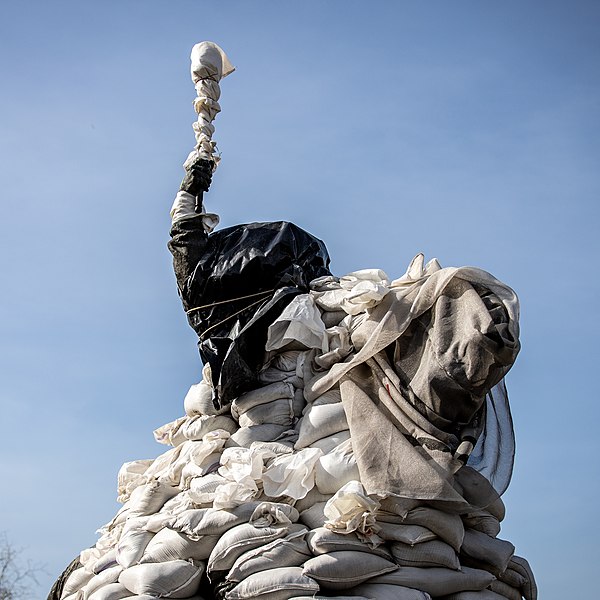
(336, 469)
(279, 412)
(480, 595)
(449, 527)
(112, 591)
(208, 521)
(313, 497)
(314, 516)
(261, 395)
(75, 581)
(196, 427)
(434, 553)
(291, 475)
(275, 584)
(488, 550)
(323, 541)
(483, 521)
(107, 560)
(381, 591)
(198, 401)
(437, 581)
(345, 569)
(202, 489)
(97, 581)
(319, 422)
(173, 579)
(407, 534)
(133, 541)
(130, 476)
(169, 545)
(505, 590)
(246, 436)
(238, 540)
(171, 433)
(328, 443)
(290, 551)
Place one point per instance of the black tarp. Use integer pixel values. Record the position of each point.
(233, 283)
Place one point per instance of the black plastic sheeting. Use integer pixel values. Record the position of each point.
(234, 283)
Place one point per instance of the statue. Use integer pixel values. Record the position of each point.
(350, 436)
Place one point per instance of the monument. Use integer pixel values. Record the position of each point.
(351, 436)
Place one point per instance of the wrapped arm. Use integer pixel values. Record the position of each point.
(191, 224)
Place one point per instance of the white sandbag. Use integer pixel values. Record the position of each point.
(195, 468)
(98, 581)
(323, 541)
(346, 569)
(107, 560)
(314, 516)
(281, 447)
(279, 412)
(311, 498)
(273, 375)
(291, 474)
(274, 584)
(173, 579)
(198, 401)
(262, 395)
(407, 534)
(112, 591)
(488, 550)
(169, 545)
(130, 476)
(319, 422)
(268, 514)
(437, 581)
(299, 327)
(426, 554)
(133, 541)
(238, 540)
(177, 504)
(336, 469)
(202, 489)
(244, 465)
(146, 500)
(350, 509)
(208, 521)
(380, 591)
(245, 436)
(327, 444)
(449, 527)
(196, 427)
(76, 580)
(171, 433)
(332, 396)
(290, 551)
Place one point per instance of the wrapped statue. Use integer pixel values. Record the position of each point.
(351, 436)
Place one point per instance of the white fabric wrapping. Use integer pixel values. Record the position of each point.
(291, 474)
(351, 509)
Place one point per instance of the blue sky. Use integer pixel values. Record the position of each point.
(465, 130)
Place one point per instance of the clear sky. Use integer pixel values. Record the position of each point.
(467, 130)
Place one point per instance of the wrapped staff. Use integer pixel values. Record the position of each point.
(209, 65)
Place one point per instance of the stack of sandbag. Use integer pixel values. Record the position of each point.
(262, 499)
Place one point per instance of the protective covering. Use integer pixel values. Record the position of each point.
(234, 283)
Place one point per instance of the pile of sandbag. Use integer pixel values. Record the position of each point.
(263, 498)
